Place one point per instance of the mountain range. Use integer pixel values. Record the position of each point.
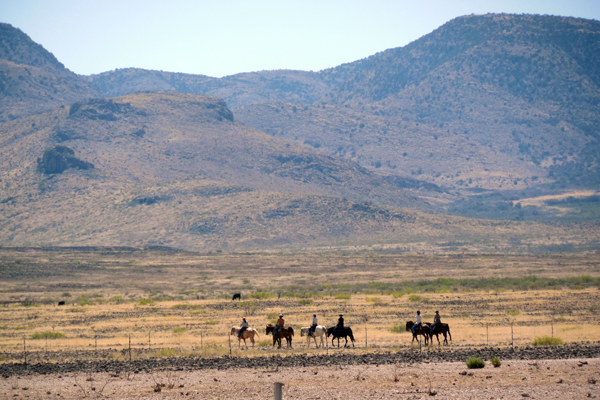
(468, 120)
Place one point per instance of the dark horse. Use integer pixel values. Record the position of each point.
(286, 332)
(345, 333)
(443, 329)
(423, 330)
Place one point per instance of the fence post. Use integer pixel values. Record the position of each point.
(229, 336)
(24, 350)
(129, 347)
(149, 339)
(278, 390)
(366, 343)
(512, 338)
(487, 332)
(201, 342)
(552, 324)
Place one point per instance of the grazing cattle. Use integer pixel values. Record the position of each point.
(237, 296)
(61, 303)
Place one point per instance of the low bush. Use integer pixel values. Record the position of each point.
(305, 302)
(547, 341)
(212, 322)
(513, 312)
(495, 362)
(342, 296)
(47, 335)
(396, 329)
(475, 362)
(264, 343)
(180, 329)
(416, 297)
(145, 302)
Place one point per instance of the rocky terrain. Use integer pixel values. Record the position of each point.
(336, 358)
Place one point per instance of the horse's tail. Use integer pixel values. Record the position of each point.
(292, 330)
(351, 334)
(449, 334)
(256, 333)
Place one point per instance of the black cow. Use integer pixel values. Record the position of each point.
(61, 303)
(237, 296)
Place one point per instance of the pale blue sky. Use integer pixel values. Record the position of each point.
(219, 38)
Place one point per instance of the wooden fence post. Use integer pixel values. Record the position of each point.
(366, 343)
(487, 332)
(512, 338)
(129, 347)
(552, 324)
(149, 339)
(24, 350)
(229, 336)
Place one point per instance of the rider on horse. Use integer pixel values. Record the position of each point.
(278, 325)
(417, 324)
(436, 321)
(339, 328)
(312, 328)
(243, 328)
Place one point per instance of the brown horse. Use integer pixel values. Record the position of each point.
(423, 330)
(249, 333)
(443, 329)
(286, 332)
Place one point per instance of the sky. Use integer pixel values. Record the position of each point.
(224, 37)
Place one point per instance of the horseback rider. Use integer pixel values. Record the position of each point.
(312, 328)
(243, 328)
(278, 325)
(339, 328)
(417, 324)
(436, 321)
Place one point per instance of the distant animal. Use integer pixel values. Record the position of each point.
(443, 329)
(345, 333)
(61, 303)
(237, 296)
(423, 330)
(286, 332)
(249, 333)
(320, 331)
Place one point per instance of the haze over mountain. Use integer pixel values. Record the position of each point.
(502, 105)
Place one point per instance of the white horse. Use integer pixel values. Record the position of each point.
(320, 331)
(249, 333)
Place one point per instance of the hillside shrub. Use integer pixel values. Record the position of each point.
(180, 329)
(342, 296)
(495, 362)
(145, 302)
(396, 329)
(547, 341)
(475, 362)
(416, 297)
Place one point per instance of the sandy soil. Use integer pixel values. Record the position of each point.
(547, 379)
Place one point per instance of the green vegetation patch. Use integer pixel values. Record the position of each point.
(47, 335)
(145, 302)
(396, 329)
(180, 329)
(342, 296)
(495, 362)
(475, 362)
(547, 341)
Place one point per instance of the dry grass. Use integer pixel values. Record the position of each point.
(191, 311)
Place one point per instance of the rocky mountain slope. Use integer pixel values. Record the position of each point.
(32, 79)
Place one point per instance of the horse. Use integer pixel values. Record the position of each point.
(320, 331)
(236, 296)
(443, 329)
(423, 331)
(286, 332)
(346, 331)
(249, 333)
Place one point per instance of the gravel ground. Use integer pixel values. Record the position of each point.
(564, 372)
